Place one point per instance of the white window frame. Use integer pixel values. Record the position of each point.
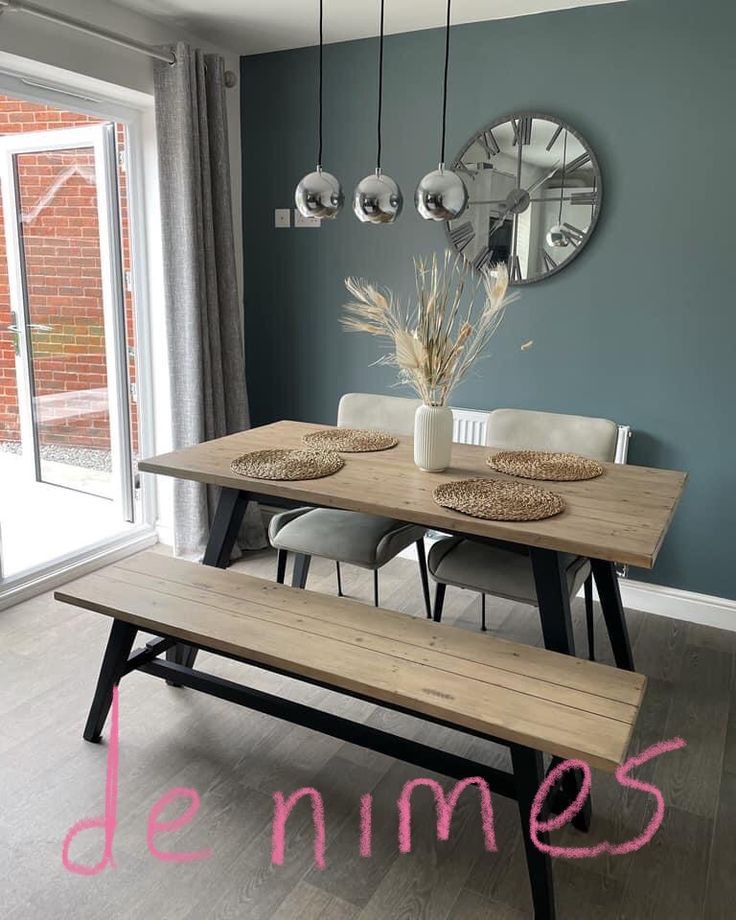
(38, 82)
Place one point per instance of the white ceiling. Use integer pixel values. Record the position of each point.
(254, 26)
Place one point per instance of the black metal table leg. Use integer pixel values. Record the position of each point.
(224, 531)
(119, 647)
(606, 581)
(553, 597)
(231, 507)
(528, 776)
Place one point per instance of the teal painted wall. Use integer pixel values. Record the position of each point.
(640, 329)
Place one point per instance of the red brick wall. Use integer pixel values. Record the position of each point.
(61, 241)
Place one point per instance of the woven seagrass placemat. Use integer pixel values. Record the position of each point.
(493, 500)
(350, 440)
(542, 464)
(287, 464)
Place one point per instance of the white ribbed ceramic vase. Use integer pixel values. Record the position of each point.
(433, 438)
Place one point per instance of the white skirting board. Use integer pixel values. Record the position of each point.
(704, 609)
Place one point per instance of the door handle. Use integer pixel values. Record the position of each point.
(34, 327)
(14, 331)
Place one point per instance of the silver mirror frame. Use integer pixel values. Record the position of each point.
(544, 116)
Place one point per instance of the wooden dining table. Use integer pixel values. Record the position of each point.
(619, 518)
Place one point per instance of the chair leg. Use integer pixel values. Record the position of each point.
(422, 556)
(589, 617)
(301, 571)
(339, 580)
(281, 557)
(483, 613)
(439, 601)
(375, 587)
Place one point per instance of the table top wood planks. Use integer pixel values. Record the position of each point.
(622, 516)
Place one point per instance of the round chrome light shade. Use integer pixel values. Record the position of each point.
(377, 199)
(557, 237)
(319, 195)
(441, 195)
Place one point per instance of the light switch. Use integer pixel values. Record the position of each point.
(310, 222)
(282, 217)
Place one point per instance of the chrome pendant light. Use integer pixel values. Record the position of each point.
(319, 194)
(442, 195)
(377, 198)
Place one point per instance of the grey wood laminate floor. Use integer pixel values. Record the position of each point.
(50, 778)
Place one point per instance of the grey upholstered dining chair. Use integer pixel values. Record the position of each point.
(504, 569)
(349, 537)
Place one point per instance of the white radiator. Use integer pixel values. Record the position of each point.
(469, 427)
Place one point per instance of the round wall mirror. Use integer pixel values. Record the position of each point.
(534, 196)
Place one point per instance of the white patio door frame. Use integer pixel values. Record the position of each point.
(101, 139)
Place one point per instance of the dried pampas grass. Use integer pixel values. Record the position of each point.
(435, 341)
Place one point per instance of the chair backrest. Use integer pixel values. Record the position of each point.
(393, 414)
(523, 429)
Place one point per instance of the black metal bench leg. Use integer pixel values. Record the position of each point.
(528, 768)
(483, 626)
(422, 557)
(553, 597)
(301, 570)
(375, 588)
(119, 647)
(606, 580)
(589, 616)
(439, 601)
(564, 793)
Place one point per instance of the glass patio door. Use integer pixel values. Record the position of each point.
(60, 210)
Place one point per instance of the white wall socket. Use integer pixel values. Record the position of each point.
(282, 217)
(301, 221)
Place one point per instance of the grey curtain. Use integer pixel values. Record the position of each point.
(204, 320)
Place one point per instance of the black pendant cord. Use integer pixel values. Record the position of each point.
(321, 45)
(380, 88)
(564, 169)
(444, 91)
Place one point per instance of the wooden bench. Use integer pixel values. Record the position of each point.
(529, 699)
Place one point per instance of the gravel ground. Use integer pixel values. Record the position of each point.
(86, 457)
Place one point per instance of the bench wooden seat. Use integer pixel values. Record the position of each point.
(528, 698)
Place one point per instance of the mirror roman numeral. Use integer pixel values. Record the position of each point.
(549, 262)
(574, 234)
(489, 143)
(578, 162)
(554, 137)
(484, 259)
(583, 198)
(522, 130)
(463, 235)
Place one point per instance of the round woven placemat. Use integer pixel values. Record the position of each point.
(287, 464)
(498, 501)
(542, 464)
(350, 440)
